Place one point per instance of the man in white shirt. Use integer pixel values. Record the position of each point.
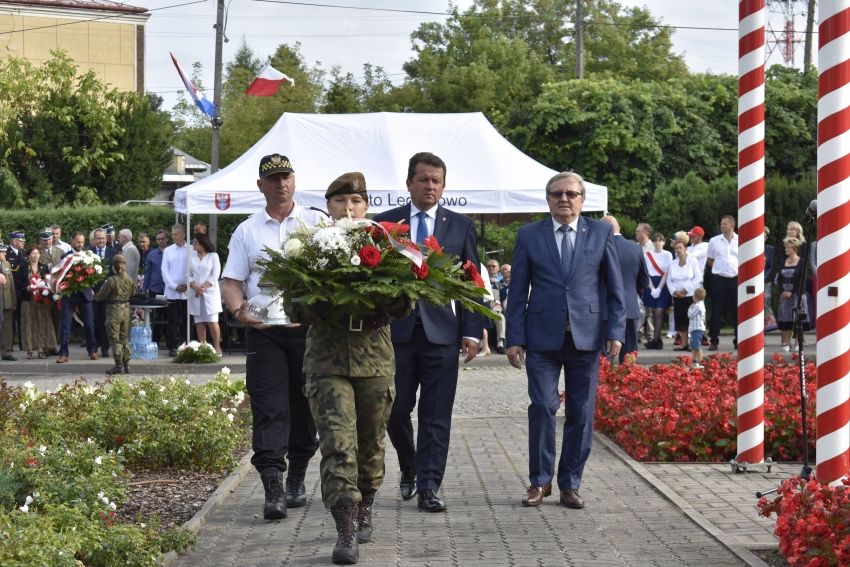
(175, 264)
(57, 239)
(722, 258)
(282, 424)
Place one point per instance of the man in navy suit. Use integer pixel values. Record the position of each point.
(106, 251)
(426, 342)
(82, 300)
(570, 264)
(635, 280)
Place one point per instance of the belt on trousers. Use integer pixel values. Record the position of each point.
(725, 277)
(368, 322)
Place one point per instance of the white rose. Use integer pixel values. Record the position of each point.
(293, 248)
(355, 260)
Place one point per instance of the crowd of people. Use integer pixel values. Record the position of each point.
(42, 327)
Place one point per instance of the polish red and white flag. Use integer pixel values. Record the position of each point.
(268, 82)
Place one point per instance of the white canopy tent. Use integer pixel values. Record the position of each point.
(485, 172)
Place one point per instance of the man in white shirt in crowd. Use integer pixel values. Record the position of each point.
(57, 239)
(722, 258)
(698, 249)
(175, 263)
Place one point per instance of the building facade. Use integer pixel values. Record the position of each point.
(99, 35)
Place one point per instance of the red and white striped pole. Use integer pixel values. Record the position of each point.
(833, 248)
(751, 57)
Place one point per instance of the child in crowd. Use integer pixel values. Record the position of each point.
(696, 325)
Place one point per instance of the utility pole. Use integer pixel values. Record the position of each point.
(810, 29)
(216, 122)
(579, 39)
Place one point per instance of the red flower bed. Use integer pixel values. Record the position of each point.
(671, 412)
(812, 522)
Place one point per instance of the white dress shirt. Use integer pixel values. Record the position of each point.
(725, 255)
(175, 264)
(253, 235)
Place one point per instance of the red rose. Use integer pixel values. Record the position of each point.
(420, 272)
(89, 271)
(432, 244)
(370, 256)
(63, 286)
(80, 279)
(78, 268)
(472, 273)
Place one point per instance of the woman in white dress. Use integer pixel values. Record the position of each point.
(205, 299)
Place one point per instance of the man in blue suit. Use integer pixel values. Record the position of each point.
(82, 301)
(570, 264)
(107, 252)
(426, 342)
(635, 280)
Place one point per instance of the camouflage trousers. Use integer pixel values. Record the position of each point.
(351, 417)
(118, 331)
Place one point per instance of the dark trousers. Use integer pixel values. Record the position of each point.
(724, 305)
(100, 333)
(66, 320)
(283, 425)
(175, 333)
(432, 369)
(631, 341)
(581, 368)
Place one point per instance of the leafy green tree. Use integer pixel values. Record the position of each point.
(63, 135)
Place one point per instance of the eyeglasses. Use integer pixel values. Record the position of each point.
(558, 195)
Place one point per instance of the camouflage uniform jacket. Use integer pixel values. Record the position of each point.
(334, 349)
(7, 291)
(117, 289)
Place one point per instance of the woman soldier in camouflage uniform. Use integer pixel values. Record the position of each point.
(349, 367)
(116, 292)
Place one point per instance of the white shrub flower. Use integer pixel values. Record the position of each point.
(293, 248)
(98, 460)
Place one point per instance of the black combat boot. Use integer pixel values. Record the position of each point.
(296, 493)
(115, 370)
(346, 551)
(275, 506)
(364, 517)
(126, 367)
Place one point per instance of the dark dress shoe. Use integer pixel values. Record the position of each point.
(430, 502)
(535, 494)
(500, 349)
(712, 347)
(407, 487)
(682, 348)
(296, 493)
(10, 357)
(571, 499)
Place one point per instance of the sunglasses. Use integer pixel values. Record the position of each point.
(558, 195)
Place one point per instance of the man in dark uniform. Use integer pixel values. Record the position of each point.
(426, 342)
(17, 260)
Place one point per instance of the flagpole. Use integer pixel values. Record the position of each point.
(216, 121)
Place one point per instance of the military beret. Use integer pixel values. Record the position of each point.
(347, 184)
(45, 235)
(275, 163)
(19, 234)
(108, 228)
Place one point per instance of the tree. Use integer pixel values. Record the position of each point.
(63, 134)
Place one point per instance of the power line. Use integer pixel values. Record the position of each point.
(108, 17)
(316, 5)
